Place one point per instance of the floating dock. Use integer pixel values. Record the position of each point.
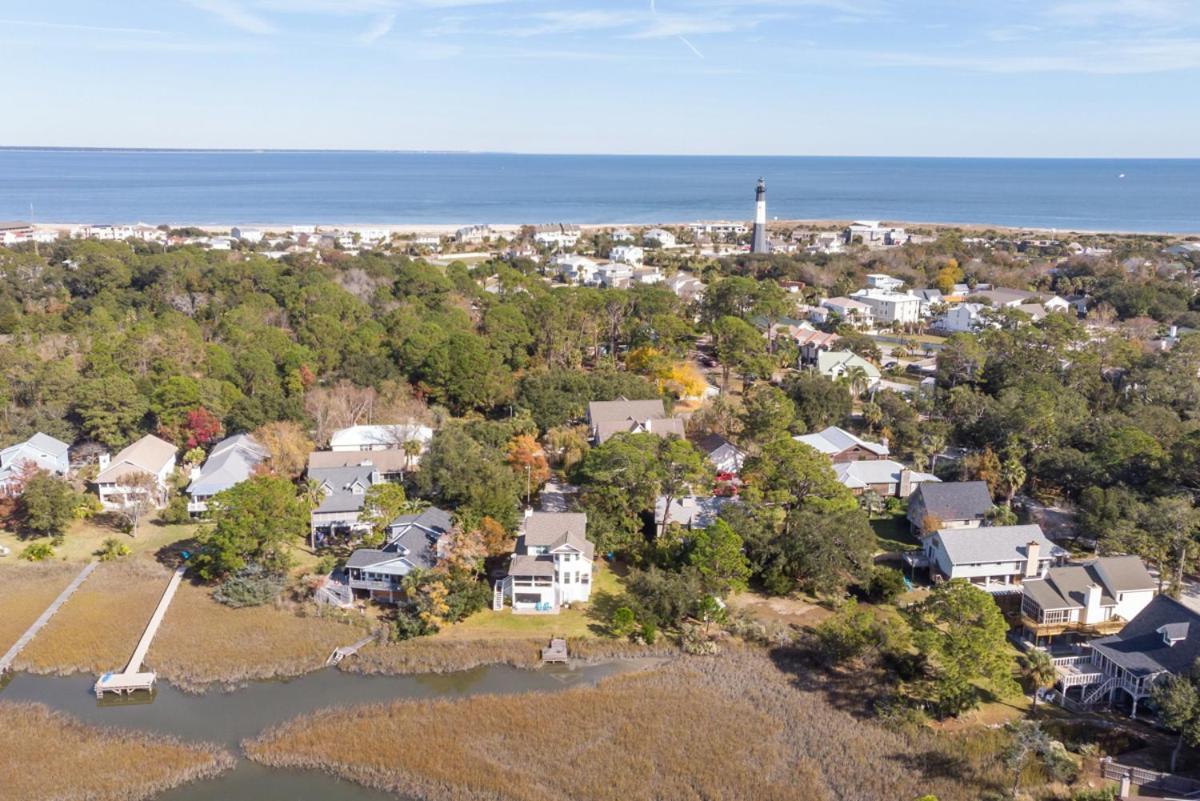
(132, 678)
(556, 652)
(10, 655)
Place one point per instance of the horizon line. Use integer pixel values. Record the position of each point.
(436, 152)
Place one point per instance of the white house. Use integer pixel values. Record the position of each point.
(890, 308)
(380, 437)
(622, 235)
(251, 235)
(647, 275)
(231, 461)
(962, 318)
(576, 269)
(834, 364)
(614, 274)
(557, 235)
(627, 254)
(874, 234)
(883, 281)
(850, 310)
(1096, 597)
(41, 451)
(724, 456)
(220, 243)
(149, 455)
(551, 565)
(995, 558)
(687, 288)
(660, 237)
(473, 234)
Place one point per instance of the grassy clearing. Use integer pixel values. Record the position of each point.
(48, 756)
(203, 642)
(893, 533)
(25, 593)
(697, 728)
(97, 629)
(85, 537)
(579, 622)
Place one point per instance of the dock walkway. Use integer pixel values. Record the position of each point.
(9, 656)
(347, 650)
(132, 678)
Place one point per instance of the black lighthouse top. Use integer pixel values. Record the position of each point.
(762, 189)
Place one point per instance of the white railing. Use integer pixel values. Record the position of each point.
(1071, 661)
(197, 507)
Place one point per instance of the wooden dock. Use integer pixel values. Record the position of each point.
(556, 651)
(10, 655)
(132, 678)
(347, 650)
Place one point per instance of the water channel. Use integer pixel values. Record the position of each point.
(228, 718)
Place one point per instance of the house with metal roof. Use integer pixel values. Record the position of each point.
(1089, 599)
(724, 456)
(690, 511)
(118, 482)
(1160, 641)
(884, 477)
(232, 461)
(996, 558)
(40, 451)
(380, 437)
(949, 505)
(842, 446)
(413, 542)
(551, 565)
(833, 364)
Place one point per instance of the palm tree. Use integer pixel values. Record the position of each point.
(857, 378)
(412, 449)
(1038, 671)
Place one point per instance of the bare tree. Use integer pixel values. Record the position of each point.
(140, 496)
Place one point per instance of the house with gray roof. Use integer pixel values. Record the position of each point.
(997, 558)
(122, 478)
(724, 456)
(949, 504)
(690, 511)
(606, 419)
(344, 491)
(413, 542)
(1091, 598)
(232, 461)
(41, 451)
(1160, 641)
(551, 566)
(884, 477)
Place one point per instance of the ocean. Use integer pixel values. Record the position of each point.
(401, 188)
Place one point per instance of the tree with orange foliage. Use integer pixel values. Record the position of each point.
(527, 459)
(496, 539)
(288, 445)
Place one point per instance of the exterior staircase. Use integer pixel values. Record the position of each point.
(498, 596)
(1098, 693)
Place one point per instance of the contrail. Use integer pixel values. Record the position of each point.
(681, 37)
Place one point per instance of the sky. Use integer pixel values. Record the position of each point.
(1054, 78)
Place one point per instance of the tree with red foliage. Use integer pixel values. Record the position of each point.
(201, 427)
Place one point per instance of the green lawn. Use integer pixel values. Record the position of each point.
(85, 537)
(579, 621)
(893, 533)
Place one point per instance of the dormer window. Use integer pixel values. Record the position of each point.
(1173, 633)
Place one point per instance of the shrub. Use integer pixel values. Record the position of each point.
(112, 549)
(649, 632)
(176, 511)
(1108, 793)
(253, 585)
(886, 584)
(622, 623)
(37, 552)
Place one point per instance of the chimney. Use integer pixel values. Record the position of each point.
(1173, 332)
(1091, 611)
(905, 482)
(104, 459)
(1032, 551)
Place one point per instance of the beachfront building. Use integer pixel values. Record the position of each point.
(889, 307)
(251, 235)
(473, 234)
(551, 566)
(557, 235)
(122, 479)
(659, 237)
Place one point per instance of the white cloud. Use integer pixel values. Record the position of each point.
(380, 28)
(236, 15)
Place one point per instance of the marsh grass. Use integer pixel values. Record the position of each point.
(25, 593)
(203, 642)
(48, 756)
(98, 627)
(726, 727)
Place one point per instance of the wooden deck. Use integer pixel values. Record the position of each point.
(556, 651)
(347, 650)
(132, 678)
(10, 655)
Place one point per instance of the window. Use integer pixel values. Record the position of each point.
(584, 579)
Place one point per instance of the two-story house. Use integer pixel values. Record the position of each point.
(606, 419)
(121, 480)
(949, 505)
(343, 491)
(231, 461)
(551, 565)
(1089, 599)
(414, 542)
(996, 558)
(40, 451)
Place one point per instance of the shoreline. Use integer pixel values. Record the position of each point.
(509, 228)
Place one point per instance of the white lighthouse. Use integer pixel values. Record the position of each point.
(759, 243)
